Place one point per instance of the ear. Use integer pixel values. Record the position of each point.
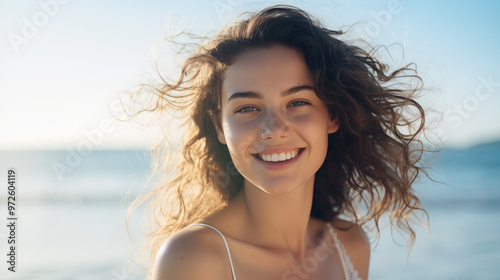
(218, 129)
(333, 125)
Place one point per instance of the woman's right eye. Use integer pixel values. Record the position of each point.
(246, 109)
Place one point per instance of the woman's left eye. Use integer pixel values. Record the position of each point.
(246, 109)
(298, 103)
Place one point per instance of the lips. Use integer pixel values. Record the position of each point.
(280, 156)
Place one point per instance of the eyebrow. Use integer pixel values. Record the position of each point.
(254, 94)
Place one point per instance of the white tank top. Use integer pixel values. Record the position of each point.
(349, 271)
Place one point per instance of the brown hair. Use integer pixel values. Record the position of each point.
(372, 160)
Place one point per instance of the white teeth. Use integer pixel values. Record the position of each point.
(278, 157)
(282, 156)
(275, 157)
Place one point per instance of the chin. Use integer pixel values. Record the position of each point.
(276, 188)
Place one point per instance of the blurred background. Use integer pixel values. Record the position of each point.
(65, 66)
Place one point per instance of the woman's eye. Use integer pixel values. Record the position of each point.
(246, 109)
(298, 103)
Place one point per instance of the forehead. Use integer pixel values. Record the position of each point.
(264, 69)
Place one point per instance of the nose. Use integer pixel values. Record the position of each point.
(274, 127)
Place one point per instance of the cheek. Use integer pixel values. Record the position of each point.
(238, 135)
(315, 123)
(316, 130)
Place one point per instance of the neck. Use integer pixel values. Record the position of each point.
(280, 221)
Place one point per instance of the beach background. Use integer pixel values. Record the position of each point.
(64, 66)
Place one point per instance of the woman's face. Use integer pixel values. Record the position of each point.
(274, 125)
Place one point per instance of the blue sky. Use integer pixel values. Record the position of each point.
(58, 79)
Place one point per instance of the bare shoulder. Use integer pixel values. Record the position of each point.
(193, 253)
(350, 232)
(356, 244)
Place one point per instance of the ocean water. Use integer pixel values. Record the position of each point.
(71, 217)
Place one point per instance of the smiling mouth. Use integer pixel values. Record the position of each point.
(279, 157)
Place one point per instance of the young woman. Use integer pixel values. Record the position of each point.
(289, 130)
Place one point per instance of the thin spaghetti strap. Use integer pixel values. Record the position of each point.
(225, 243)
(349, 271)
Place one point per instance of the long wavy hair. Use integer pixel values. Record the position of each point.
(372, 160)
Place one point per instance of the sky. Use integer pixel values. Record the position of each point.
(65, 64)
